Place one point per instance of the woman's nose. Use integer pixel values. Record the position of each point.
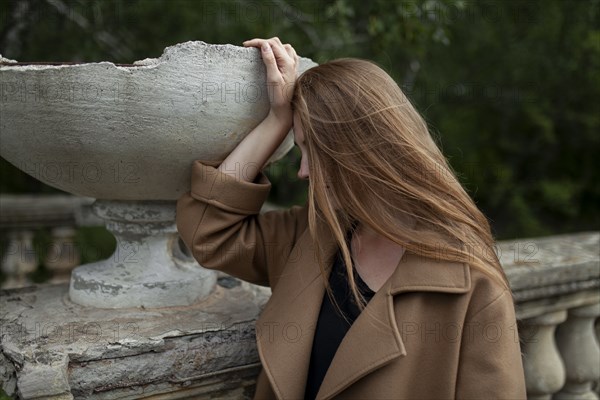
(302, 174)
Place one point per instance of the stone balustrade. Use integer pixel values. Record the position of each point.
(556, 285)
(22, 215)
(53, 348)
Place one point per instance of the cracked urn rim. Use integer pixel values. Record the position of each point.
(132, 132)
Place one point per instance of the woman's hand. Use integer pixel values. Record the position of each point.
(281, 62)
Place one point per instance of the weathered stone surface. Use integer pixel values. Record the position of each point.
(207, 350)
(539, 268)
(8, 375)
(54, 347)
(553, 303)
(46, 376)
(150, 266)
(34, 211)
(132, 132)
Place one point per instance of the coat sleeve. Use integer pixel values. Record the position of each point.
(219, 220)
(490, 362)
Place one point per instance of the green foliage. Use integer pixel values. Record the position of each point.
(510, 89)
(4, 396)
(98, 243)
(529, 111)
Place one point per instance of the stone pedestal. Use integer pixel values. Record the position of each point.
(150, 266)
(55, 349)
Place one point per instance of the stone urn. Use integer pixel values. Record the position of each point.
(127, 136)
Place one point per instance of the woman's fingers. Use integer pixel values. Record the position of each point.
(291, 52)
(281, 62)
(285, 55)
(257, 42)
(270, 62)
(281, 53)
(253, 42)
(275, 45)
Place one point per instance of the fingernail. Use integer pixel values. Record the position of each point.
(266, 47)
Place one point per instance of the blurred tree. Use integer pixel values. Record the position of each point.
(509, 88)
(516, 101)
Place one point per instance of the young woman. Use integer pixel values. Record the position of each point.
(385, 285)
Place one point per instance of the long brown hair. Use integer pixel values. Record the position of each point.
(367, 142)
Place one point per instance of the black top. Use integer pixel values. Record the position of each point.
(331, 326)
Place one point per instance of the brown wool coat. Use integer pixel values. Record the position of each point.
(435, 330)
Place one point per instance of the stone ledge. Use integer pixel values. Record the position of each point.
(535, 308)
(58, 348)
(551, 266)
(31, 211)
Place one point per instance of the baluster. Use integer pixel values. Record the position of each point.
(579, 348)
(19, 259)
(62, 256)
(544, 369)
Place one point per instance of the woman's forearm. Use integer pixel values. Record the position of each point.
(251, 154)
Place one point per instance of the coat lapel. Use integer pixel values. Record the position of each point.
(374, 338)
(372, 341)
(286, 327)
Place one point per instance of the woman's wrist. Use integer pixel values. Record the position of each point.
(282, 119)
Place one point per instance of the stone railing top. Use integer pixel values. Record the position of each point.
(46, 210)
(554, 265)
(30, 211)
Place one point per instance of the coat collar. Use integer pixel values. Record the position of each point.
(286, 326)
